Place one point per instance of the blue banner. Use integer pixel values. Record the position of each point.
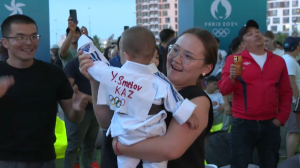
(223, 18)
(39, 11)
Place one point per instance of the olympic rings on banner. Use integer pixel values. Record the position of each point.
(116, 101)
(221, 32)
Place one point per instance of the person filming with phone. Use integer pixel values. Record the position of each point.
(262, 97)
(68, 50)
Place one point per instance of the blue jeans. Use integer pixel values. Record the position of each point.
(13, 164)
(77, 160)
(249, 134)
(82, 135)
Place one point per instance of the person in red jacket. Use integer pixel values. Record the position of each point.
(261, 103)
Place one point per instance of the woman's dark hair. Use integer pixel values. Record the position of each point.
(164, 63)
(210, 46)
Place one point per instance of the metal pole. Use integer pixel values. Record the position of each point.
(56, 30)
(90, 22)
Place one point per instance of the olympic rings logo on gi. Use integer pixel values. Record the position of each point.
(221, 32)
(116, 101)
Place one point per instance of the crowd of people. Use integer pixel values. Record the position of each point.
(179, 104)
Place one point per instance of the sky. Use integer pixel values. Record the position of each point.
(107, 16)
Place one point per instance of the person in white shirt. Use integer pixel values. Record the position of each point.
(216, 98)
(130, 91)
(291, 49)
(270, 43)
(221, 56)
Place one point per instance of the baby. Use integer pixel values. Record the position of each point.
(131, 91)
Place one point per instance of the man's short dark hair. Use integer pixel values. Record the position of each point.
(77, 30)
(17, 19)
(166, 34)
(211, 79)
(218, 40)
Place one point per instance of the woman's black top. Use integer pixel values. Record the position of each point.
(194, 155)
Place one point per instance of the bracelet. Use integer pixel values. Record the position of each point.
(120, 154)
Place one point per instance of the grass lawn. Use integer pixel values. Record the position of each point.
(60, 162)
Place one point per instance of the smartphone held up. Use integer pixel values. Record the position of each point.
(126, 27)
(73, 15)
(238, 62)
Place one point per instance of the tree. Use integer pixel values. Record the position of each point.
(281, 37)
(97, 43)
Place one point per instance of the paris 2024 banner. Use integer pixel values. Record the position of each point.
(223, 18)
(39, 11)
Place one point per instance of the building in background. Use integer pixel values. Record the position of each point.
(157, 15)
(283, 16)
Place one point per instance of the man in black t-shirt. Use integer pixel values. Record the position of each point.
(28, 99)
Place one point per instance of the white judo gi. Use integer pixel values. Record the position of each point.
(130, 92)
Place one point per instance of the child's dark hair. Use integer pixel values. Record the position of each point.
(139, 43)
(211, 79)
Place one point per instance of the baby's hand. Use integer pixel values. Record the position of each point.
(193, 122)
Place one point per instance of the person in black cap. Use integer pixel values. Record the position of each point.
(295, 160)
(291, 49)
(261, 100)
(235, 48)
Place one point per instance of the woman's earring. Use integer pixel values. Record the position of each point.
(203, 73)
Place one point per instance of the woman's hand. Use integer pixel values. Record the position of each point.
(85, 62)
(193, 122)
